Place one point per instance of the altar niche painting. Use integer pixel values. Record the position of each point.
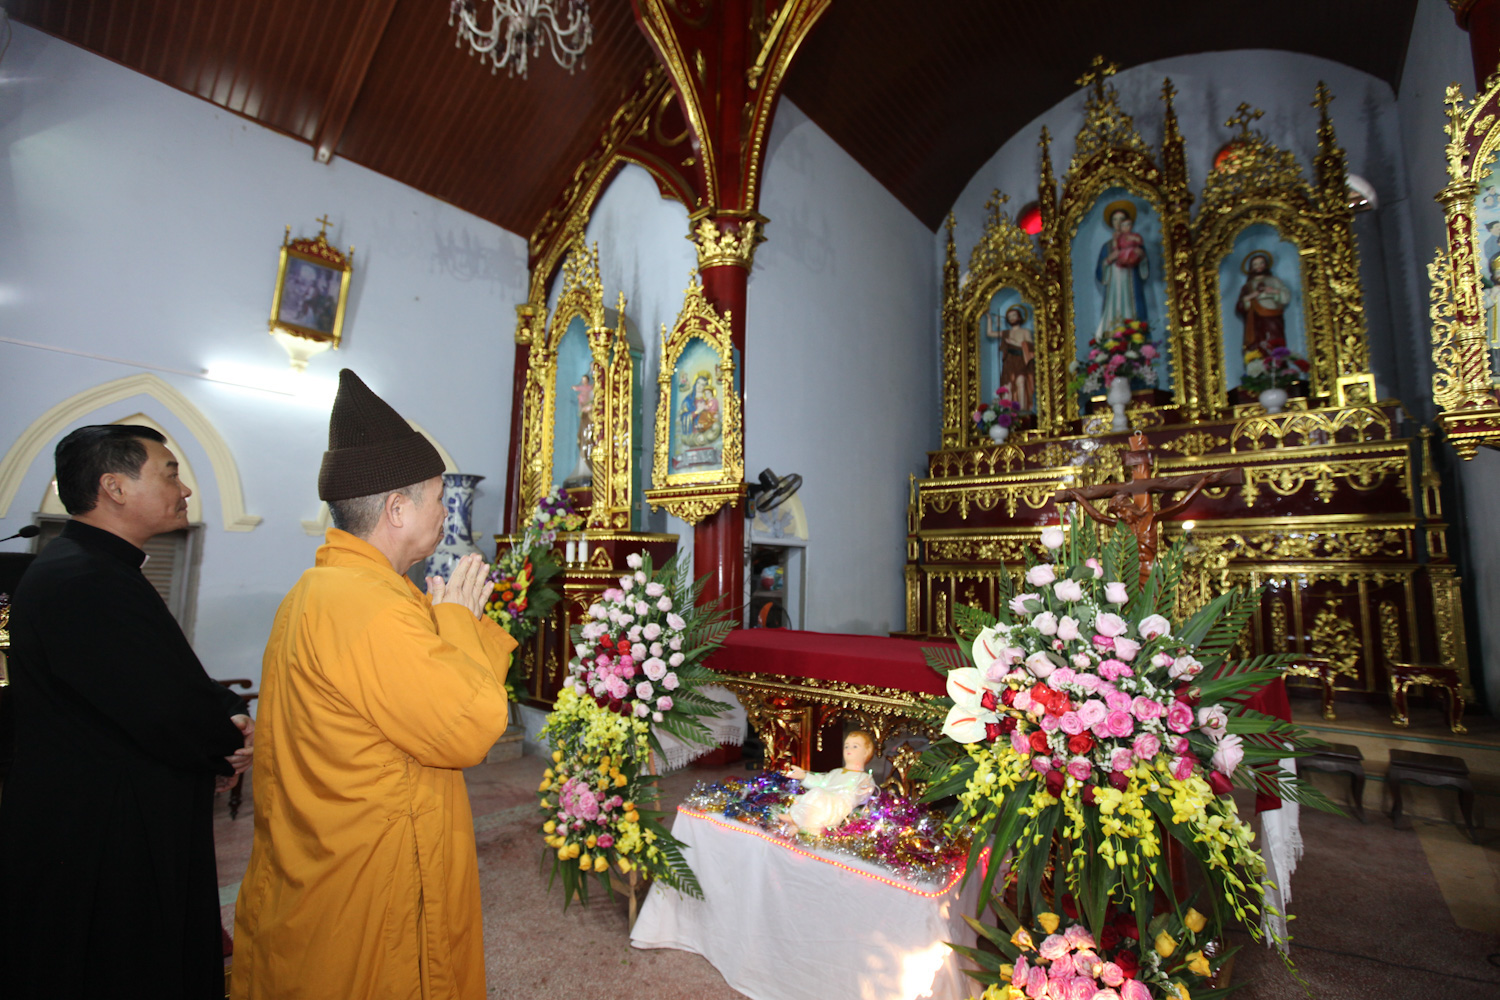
(1118, 277)
(1260, 291)
(1007, 350)
(573, 417)
(696, 429)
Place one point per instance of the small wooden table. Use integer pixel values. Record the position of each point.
(1435, 770)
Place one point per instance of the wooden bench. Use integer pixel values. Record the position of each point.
(1342, 758)
(1434, 770)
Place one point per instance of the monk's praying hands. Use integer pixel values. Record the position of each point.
(468, 585)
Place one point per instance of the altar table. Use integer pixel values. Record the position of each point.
(781, 922)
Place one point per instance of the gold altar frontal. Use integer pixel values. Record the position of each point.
(1338, 517)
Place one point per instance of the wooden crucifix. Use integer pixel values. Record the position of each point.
(1132, 502)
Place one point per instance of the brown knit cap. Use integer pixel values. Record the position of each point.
(371, 449)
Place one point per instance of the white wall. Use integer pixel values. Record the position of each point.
(1209, 88)
(1439, 55)
(141, 223)
(840, 363)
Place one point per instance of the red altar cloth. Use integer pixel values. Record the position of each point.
(872, 660)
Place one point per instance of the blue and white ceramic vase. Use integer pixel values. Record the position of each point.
(458, 532)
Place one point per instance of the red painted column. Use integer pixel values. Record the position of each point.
(1481, 19)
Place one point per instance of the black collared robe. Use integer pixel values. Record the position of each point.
(108, 885)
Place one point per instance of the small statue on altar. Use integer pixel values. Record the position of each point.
(831, 797)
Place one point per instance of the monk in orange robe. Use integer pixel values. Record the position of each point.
(363, 880)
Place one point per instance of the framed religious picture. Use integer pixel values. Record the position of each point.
(312, 292)
(1007, 351)
(699, 463)
(1282, 307)
(573, 387)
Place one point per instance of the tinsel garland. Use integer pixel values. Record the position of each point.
(904, 838)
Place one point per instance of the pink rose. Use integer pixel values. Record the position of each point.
(1134, 989)
(1053, 946)
(1179, 717)
(664, 703)
(1228, 754)
(616, 687)
(1115, 593)
(1019, 972)
(1070, 591)
(1079, 937)
(1112, 669)
(1185, 666)
(614, 595)
(1019, 602)
(1045, 623)
(1078, 988)
(1061, 676)
(1081, 661)
(1052, 537)
(670, 682)
(1019, 743)
(1036, 983)
(1152, 626)
(1089, 682)
(1062, 968)
(1120, 760)
(1161, 660)
(655, 669)
(1022, 702)
(1050, 723)
(1125, 648)
(1040, 576)
(1117, 701)
(1071, 723)
(641, 710)
(1182, 767)
(1103, 642)
(1067, 628)
(1112, 974)
(644, 691)
(1041, 764)
(1145, 709)
(1040, 664)
(1213, 720)
(1119, 724)
(1093, 564)
(1092, 712)
(1110, 625)
(1080, 768)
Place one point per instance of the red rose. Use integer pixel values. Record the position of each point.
(1118, 780)
(1109, 938)
(606, 641)
(1038, 741)
(1008, 697)
(1041, 693)
(1080, 744)
(1088, 799)
(1128, 963)
(992, 731)
(1220, 784)
(1055, 782)
(989, 701)
(624, 646)
(1060, 704)
(1008, 724)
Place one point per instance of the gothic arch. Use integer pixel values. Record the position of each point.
(29, 445)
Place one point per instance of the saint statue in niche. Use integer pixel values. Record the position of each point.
(1017, 355)
(1122, 270)
(583, 472)
(1261, 303)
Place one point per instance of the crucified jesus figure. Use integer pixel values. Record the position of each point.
(1132, 502)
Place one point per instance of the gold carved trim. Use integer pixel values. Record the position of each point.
(719, 245)
(694, 503)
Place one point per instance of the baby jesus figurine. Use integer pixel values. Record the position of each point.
(831, 797)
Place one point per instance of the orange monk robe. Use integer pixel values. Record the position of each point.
(363, 880)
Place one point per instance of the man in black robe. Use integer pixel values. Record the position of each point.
(108, 885)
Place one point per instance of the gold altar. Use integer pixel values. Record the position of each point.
(1339, 515)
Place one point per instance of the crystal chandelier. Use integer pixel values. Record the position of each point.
(519, 25)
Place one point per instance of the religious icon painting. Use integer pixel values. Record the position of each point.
(1007, 349)
(573, 407)
(1487, 248)
(1119, 294)
(312, 291)
(1260, 292)
(697, 424)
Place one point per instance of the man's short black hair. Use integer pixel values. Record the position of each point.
(90, 452)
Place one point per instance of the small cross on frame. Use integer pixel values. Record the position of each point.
(1243, 119)
(996, 200)
(324, 223)
(1099, 70)
(1132, 502)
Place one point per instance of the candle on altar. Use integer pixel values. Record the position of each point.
(571, 553)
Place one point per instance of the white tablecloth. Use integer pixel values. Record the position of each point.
(783, 925)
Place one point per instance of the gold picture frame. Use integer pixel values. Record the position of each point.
(311, 296)
(1255, 183)
(697, 467)
(1465, 313)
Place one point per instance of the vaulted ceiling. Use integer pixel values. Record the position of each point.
(921, 94)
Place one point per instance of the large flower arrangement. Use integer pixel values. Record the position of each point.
(522, 575)
(1125, 352)
(638, 669)
(1282, 367)
(1085, 729)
